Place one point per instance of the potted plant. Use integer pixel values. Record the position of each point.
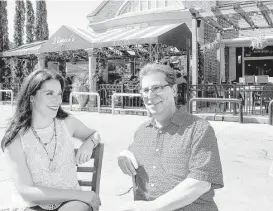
(80, 84)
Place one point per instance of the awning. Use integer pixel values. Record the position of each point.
(67, 38)
(27, 49)
(171, 34)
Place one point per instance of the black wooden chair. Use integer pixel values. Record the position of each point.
(95, 169)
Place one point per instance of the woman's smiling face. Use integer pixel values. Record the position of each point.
(48, 99)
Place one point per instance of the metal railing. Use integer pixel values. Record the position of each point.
(126, 109)
(11, 97)
(85, 93)
(231, 100)
(107, 90)
(270, 121)
(251, 95)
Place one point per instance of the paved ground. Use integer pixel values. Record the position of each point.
(246, 151)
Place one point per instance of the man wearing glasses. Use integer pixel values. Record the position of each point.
(174, 158)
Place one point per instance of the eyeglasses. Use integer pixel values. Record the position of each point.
(155, 89)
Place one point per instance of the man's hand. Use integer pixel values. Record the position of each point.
(139, 206)
(127, 163)
(84, 152)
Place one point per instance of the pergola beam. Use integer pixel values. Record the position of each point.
(209, 20)
(214, 23)
(229, 10)
(219, 14)
(247, 28)
(265, 10)
(244, 15)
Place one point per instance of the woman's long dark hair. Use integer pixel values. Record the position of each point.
(21, 119)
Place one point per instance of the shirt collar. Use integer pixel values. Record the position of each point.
(176, 119)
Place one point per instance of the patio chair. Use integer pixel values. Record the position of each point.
(249, 79)
(261, 79)
(95, 169)
(266, 96)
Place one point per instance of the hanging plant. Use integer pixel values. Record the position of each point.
(259, 42)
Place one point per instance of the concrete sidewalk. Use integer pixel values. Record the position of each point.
(246, 152)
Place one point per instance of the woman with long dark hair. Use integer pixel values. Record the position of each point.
(39, 151)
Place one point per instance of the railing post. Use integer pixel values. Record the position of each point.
(241, 111)
(11, 96)
(126, 95)
(190, 106)
(70, 100)
(233, 100)
(270, 118)
(113, 103)
(234, 95)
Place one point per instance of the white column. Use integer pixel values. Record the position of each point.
(92, 70)
(194, 65)
(92, 81)
(221, 59)
(194, 53)
(243, 61)
(232, 64)
(41, 61)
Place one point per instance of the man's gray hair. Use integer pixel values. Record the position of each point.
(155, 68)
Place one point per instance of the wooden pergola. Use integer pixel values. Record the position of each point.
(240, 16)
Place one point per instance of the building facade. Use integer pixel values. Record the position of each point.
(234, 59)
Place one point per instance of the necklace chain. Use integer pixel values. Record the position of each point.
(39, 140)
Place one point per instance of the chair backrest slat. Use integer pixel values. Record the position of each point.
(86, 169)
(94, 182)
(85, 183)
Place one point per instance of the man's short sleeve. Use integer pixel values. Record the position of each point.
(204, 163)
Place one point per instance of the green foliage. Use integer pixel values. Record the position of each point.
(30, 22)
(80, 81)
(68, 56)
(4, 35)
(19, 22)
(41, 25)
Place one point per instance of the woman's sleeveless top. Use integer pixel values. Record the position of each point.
(64, 174)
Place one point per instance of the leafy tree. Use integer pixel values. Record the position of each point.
(41, 26)
(30, 22)
(19, 22)
(4, 36)
(18, 36)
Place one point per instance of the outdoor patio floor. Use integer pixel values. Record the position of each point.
(246, 152)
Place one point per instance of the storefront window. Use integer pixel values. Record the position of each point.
(259, 67)
(259, 61)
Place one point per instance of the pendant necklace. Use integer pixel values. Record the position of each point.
(51, 165)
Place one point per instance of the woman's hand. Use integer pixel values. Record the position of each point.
(85, 152)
